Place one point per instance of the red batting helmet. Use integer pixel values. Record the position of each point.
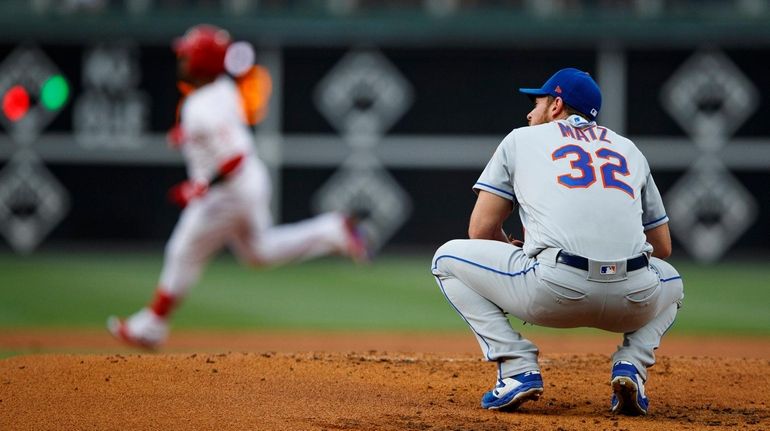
(204, 46)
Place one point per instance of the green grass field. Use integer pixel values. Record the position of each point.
(81, 289)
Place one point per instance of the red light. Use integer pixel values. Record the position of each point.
(16, 103)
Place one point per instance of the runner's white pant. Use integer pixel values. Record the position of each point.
(486, 280)
(237, 213)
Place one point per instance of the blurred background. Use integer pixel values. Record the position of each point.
(395, 106)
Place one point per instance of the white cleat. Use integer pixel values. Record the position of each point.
(143, 329)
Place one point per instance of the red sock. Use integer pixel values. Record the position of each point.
(162, 303)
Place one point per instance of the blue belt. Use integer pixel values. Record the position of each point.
(581, 262)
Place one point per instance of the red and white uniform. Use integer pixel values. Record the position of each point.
(236, 211)
(227, 194)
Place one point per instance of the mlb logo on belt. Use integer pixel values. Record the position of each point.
(608, 269)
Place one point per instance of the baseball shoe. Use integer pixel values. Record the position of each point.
(511, 392)
(357, 247)
(628, 396)
(143, 329)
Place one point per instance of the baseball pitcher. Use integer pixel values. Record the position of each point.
(226, 197)
(596, 232)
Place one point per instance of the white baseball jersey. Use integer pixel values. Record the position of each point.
(580, 187)
(214, 128)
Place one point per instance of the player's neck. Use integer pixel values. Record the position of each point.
(200, 82)
(563, 115)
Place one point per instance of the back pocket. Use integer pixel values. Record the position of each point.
(644, 294)
(563, 292)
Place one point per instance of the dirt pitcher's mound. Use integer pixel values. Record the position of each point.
(369, 391)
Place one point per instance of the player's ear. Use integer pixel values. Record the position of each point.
(557, 107)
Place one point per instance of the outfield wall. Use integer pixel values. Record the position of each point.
(418, 121)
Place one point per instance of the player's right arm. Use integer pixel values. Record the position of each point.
(488, 216)
(495, 196)
(660, 239)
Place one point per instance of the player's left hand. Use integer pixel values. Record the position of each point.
(517, 242)
(184, 192)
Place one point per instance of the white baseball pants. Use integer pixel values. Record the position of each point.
(237, 213)
(486, 280)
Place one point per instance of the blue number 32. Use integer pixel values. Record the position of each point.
(584, 164)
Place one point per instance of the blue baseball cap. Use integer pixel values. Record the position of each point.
(575, 87)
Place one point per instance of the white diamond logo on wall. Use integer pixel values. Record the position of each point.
(709, 210)
(363, 184)
(111, 112)
(710, 98)
(29, 67)
(32, 202)
(362, 97)
(364, 94)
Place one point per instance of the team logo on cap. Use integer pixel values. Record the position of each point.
(558, 89)
(594, 112)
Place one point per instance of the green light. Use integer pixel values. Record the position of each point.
(54, 93)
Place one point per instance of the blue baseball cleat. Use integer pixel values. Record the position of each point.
(628, 390)
(511, 392)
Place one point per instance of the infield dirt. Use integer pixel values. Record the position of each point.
(365, 390)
